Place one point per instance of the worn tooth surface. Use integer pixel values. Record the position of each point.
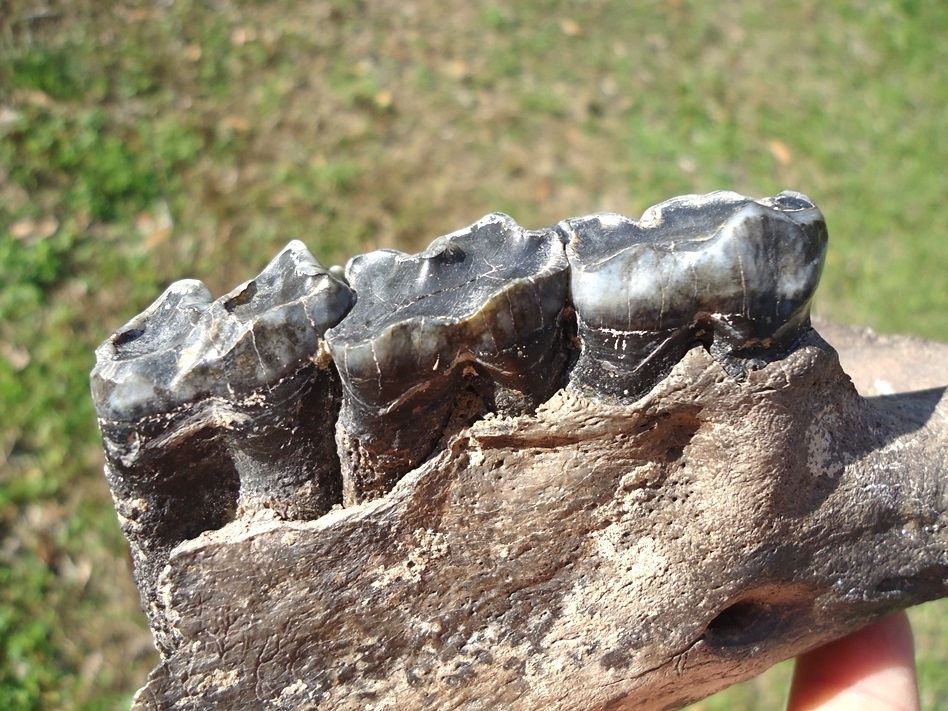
(186, 346)
(472, 324)
(207, 407)
(730, 271)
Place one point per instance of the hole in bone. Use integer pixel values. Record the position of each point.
(745, 622)
(888, 585)
(900, 587)
(769, 610)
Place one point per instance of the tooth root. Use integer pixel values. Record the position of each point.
(472, 324)
(210, 407)
(734, 273)
(283, 451)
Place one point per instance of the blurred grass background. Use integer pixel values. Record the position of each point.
(143, 142)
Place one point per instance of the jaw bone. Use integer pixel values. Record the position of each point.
(582, 550)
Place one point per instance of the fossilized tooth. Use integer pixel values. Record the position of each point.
(185, 346)
(210, 406)
(472, 324)
(730, 271)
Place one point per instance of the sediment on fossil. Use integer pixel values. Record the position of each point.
(729, 271)
(473, 324)
(206, 406)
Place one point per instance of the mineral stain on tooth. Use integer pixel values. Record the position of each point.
(732, 272)
(473, 324)
(210, 406)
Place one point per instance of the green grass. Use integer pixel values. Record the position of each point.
(146, 142)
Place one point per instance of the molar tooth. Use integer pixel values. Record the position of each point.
(471, 323)
(269, 335)
(211, 406)
(735, 273)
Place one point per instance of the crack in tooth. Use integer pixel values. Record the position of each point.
(207, 407)
(486, 299)
(732, 272)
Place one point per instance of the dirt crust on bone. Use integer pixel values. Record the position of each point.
(588, 556)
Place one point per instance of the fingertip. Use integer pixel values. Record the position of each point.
(872, 669)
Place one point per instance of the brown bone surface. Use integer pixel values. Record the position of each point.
(589, 555)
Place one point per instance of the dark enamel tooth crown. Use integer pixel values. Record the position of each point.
(210, 406)
(478, 312)
(724, 269)
(186, 347)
